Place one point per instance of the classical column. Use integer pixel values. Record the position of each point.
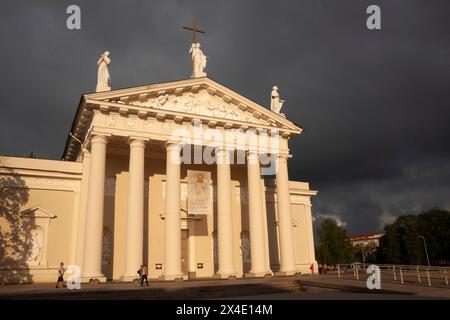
(225, 218)
(83, 206)
(287, 254)
(134, 243)
(172, 225)
(92, 260)
(257, 246)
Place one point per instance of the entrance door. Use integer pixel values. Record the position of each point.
(184, 251)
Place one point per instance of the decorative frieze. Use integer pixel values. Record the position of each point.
(46, 183)
(149, 125)
(111, 121)
(130, 124)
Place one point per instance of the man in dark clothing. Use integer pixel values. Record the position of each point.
(60, 275)
(144, 275)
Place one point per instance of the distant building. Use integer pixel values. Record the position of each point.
(372, 239)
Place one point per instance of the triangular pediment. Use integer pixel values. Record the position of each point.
(203, 103)
(181, 101)
(198, 96)
(36, 212)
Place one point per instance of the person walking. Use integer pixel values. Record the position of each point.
(140, 274)
(60, 275)
(144, 275)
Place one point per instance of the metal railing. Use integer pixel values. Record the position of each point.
(412, 274)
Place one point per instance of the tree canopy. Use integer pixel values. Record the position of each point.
(401, 243)
(334, 246)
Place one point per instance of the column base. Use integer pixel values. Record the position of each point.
(287, 273)
(229, 275)
(261, 274)
(100, 278)
(173, 277)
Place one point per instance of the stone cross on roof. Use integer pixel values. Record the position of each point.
(194, 29)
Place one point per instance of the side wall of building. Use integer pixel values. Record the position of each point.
(39, 206)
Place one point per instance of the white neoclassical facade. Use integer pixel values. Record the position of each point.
(188, 177)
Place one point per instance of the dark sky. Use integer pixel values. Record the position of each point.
(375, 105)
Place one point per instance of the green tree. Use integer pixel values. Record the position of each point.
(401, 243)
(389, 249)
(434, 225)
(334, 246)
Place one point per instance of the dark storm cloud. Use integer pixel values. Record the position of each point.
(374, 104)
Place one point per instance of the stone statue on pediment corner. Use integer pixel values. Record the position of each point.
(103, 76)
(275, 102)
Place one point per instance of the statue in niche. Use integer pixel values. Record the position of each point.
(198, 61)
(276, 103)
(35, 246)
(103, 76)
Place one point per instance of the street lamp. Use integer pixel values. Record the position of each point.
(426, 251)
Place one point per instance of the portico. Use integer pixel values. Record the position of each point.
(136, 122)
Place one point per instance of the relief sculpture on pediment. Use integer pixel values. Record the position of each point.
(202, 104)
(189, 104)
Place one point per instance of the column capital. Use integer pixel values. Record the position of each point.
(171, 145)
(137, 142)
(252, 152)
(224, 148)
(137, 137)
(283, 156)
(253, 157)
(99, 138)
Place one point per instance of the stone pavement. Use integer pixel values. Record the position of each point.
(304, 287)
(192, 289)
